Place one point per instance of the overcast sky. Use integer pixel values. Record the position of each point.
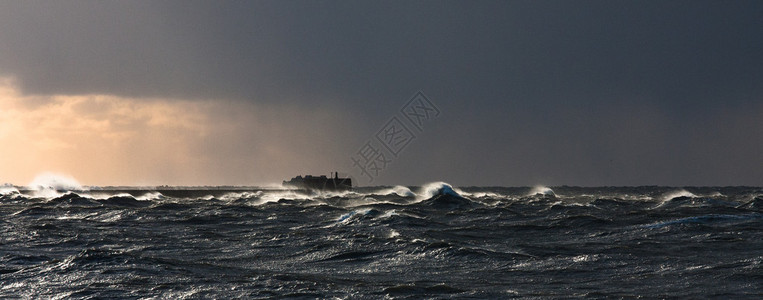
(254, 92)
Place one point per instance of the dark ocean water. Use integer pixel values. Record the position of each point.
(429, 242)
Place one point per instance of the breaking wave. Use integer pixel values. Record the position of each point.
(48, 180)
(8, 190)
(541, 190)
(50, 184)
(397, 190)
(433, 189)
(678, 194)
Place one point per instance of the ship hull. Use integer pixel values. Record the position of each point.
(319, 183)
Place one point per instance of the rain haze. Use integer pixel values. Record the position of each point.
(591, 93)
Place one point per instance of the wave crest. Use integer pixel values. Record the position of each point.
(48, 180)
(51, 185)
(397, 190)
(541, 190)
(678, 194)
(8, 191)
(436, 189)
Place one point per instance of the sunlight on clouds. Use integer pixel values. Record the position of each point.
(91, 134)
(111, 140)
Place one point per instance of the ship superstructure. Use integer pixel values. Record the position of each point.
(309, 182)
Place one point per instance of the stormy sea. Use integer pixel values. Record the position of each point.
(432, 241)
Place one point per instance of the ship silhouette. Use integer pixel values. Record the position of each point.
(309, 182)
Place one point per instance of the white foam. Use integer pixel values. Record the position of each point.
(340, 193)
(397, 190)
(48, 185)
(438, 188)
(150, 196)
(542, 190)
(665, 200)
(8, 190)
(48, 180)
(678, 193)
(355, 202)
(485, 195)
(262, 197)
(276, 196)
(235, 196)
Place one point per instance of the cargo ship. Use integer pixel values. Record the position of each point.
(330, 183)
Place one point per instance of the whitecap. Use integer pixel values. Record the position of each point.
(397, 190)
(541, 190)
(8, 190)
(48, 180)
(678, 193)
(438, 188)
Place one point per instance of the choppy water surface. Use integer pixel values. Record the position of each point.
(427, 242)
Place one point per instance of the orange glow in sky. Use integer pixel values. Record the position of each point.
(109, 140)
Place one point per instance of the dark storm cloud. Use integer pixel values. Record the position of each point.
(556, 92)
(244, 50)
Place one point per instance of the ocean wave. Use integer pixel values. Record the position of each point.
(49, 180)
(126, 201)
(540, 190)
(686, 199)
(350, 256)
(73, 199)
(436, 194)
(8, 191)
(355, 214)
(398, 190)
(52, 185)
(449, 202)
(682, 193)
(421, 289)
(433, 189)
(603, 203)
(257, 198)
(266, 243)
(151, 196)
(755, 204)
(704, 220)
